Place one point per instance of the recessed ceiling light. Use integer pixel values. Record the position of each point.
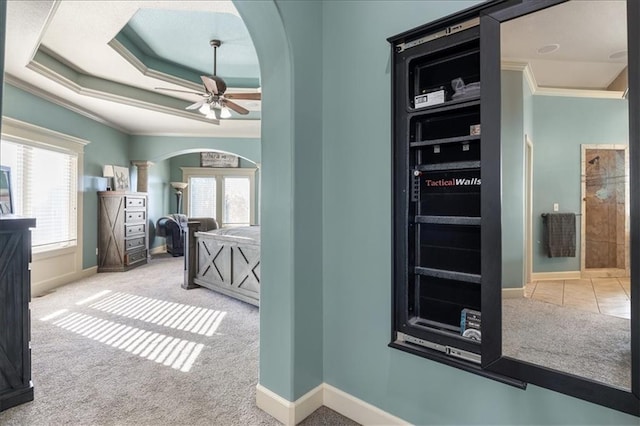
(548, 49)
(618, 55)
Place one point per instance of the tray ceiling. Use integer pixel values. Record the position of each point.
(105, 59)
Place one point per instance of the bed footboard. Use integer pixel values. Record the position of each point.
(227, 264)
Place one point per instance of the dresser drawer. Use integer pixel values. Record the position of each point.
(134, 243)
(134, 257)
(130, 230)
(134, 216)
(135, 201)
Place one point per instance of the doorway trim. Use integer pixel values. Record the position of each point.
(528, 209)
(603, 272)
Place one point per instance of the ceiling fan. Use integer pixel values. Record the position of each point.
(215, 102)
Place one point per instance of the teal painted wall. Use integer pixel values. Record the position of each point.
(110, 146)
(357, 243)
(162, 150)
(512, 180)
(303, 24)
(343, 339)
(107, 146)
(277, 325)
(155, 148)
(561, 125)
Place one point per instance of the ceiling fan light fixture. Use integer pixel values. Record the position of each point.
(205, 109)
(225, 113)
(216, 103)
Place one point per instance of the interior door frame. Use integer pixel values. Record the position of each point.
(528, 209)
(597, 272)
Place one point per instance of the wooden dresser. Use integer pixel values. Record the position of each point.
(15, 294)
(123, 237)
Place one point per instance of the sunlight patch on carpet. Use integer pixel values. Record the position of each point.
(169, 314)
(170, 351)
(54, 314)
(94, 297)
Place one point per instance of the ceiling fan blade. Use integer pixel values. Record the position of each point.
(196, 105)
(237, 108)
(250, 96)
(181, 91)
(210, 84)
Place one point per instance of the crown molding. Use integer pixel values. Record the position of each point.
(579, 93)
(100, 94)
(128, 56)
(525, 68)
(37, 136)
(36, 91)
(251, 129)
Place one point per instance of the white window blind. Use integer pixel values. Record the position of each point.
(202, 196)
(237, 200)
(44, 186)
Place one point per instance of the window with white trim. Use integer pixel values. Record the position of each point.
(228, 195)
(44, 182)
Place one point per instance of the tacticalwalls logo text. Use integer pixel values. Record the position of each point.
(454, 182)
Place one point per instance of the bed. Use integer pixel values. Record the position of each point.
(225, 260)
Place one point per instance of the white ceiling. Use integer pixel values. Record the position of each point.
(61, 50)
(65, 51)
(587, 32)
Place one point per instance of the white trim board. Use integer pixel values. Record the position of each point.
(292, 413)
(550, 276)
(513, 293)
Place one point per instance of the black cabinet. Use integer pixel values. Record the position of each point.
(15, 294)
(437, 179)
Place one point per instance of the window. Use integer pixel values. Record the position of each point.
(44, 175)
(225, 194)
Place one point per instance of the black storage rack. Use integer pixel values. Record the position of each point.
(437, 222)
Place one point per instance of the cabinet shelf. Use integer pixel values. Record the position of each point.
(444, 141)
(435, 324)
(448, 275)
(446, 106)
(458, 165)
(449, 220)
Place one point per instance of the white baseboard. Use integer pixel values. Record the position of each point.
(276, 406)
(43, 287)
(512, 293)
(549, 276)
(357, 409)
(292, 413)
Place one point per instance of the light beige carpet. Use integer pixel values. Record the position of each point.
(587, 344)
(134, 348)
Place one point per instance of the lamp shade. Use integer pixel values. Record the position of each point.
(178, 186)
(107, 171)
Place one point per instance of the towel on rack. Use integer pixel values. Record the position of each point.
(560, 233)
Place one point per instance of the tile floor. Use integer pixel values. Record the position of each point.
(609, 296)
